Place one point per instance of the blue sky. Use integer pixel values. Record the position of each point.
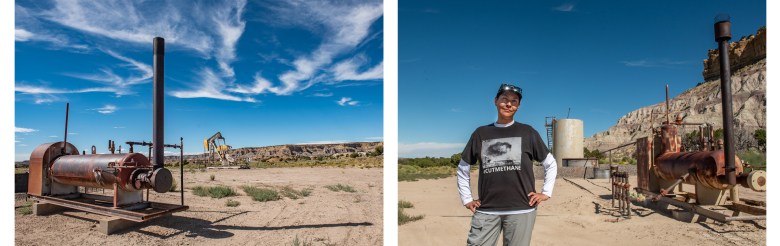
(261, 72)
(602, 59)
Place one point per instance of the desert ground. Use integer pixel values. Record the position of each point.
(325, 217)
(570, 217)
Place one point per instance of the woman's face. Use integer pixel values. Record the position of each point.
(507, 104)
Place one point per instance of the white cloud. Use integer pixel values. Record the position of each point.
(348, 70)
(25, 130)
(107, 109)
(119, 127)
(431, 149)
(347, 101)
(57, 41)
(566, 7)
(211, 86)
(345, 26)
(323, 94)
(53, 136)
(73, 133)
(653, 63)
(17, 141)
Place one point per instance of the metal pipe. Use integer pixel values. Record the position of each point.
(181, 168)
(667, 105)
(722, 36)
(158, 117)
(65, 141)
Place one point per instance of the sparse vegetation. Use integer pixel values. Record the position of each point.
(214, 192)
(25, 209)
(261, 194)
(405, 204)
(300, 242)
(341, 187)
(756, 158)
(294, 194)
(212, 177)
(403, 217)
(232, 203)
(414, 173)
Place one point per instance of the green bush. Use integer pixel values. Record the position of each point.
(755, 158)
(261, 194)
(214, 192)
(25, 209)
(340, 187)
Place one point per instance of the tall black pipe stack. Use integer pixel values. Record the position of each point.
(158, 134)
(722, 36)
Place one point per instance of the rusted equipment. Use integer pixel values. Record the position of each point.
(57, 172)
(662, 165)
(620, 192)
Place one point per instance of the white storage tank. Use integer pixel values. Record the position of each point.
(568, 140)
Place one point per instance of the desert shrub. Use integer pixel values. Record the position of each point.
(212, 177)
(341, 187)
(214, 192)
(173, 186)
(261, 194)
(291, 193)
(405, 204)
(404, 218)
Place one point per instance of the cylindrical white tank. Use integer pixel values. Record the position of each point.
(568, 140)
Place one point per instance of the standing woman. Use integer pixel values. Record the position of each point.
(507, 195)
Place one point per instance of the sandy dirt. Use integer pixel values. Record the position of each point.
(323, 218)
(569, 218)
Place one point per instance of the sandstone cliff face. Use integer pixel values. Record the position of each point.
(748, 50)
(702, 104)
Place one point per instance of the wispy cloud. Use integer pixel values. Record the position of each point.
(653, 63)
(211, 86)
(24, 130)
(345, 27)
(432, 149)
(119, 127)
(323, 94)
(566, 7)
(347, 101)
(53, 136)
(210, 28)
(107, 109)
(348, 70)
(56, 41)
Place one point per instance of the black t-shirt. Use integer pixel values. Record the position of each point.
(506, 173)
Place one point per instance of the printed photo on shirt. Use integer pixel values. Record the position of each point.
(502, 152)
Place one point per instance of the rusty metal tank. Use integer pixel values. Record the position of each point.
(706, 167)
(130, 172)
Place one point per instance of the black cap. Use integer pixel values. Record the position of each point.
(512, 88)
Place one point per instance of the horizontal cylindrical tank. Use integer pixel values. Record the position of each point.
(706, 167)
(568, 140)
(130, 172)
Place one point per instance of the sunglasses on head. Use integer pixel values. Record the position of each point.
(512, 88)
